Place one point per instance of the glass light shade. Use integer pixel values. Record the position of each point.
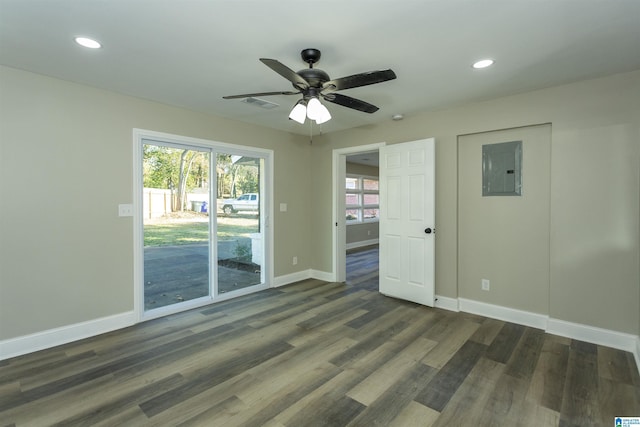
(324, 116)
(314, 109)
(299, 113)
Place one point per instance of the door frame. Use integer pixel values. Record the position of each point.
(339, 232)
(266, 189)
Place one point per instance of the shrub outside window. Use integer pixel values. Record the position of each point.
(362, 199)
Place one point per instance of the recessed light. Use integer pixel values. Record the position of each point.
(87, 42)
(484, 63)
(397, 117)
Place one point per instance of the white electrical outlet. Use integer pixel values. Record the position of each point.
(294, 261)
(125, 210)
(485, 285)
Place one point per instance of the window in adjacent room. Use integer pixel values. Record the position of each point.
(362, 199)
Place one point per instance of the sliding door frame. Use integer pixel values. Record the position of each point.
(140, 137)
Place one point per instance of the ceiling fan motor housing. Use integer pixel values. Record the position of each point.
(314, 76)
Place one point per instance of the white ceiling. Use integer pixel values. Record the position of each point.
(190, 53)
(371, 158)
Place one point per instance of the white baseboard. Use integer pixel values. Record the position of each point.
(53, 337)
(362, 243)
(520, 317)
(591, 334)
(447, 303)
(594, 335)
(323, 275)
(291, 278)
(303, 275)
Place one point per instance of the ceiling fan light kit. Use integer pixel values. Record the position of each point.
(313, 108)
(324, 115)
(314, 83)
(299, 112)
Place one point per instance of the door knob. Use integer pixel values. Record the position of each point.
(428, 230)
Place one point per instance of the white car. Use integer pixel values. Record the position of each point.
(246, 202)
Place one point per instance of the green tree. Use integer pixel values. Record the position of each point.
(248, 179)
(178, 170)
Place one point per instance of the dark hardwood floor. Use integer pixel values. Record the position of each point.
(316, 353)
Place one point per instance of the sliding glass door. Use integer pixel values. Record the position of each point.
(203, 224)
(238, 223)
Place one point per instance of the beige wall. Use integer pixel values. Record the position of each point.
(594, 190)
(65, 255)
(505, 239)
(62, 141)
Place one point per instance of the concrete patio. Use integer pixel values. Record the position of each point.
(180, 273)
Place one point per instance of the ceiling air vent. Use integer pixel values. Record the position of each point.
(260, 103)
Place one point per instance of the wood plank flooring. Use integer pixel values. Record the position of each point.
(321, 354)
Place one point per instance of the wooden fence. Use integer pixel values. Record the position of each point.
(156, 202)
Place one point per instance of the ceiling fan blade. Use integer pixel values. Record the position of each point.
(286, 72)
(248, 95)
(362, 79)
(349, 102)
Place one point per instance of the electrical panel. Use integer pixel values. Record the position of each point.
(502, 169)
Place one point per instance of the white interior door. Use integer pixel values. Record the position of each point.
(407, 221)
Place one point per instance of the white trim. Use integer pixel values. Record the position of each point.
(138, 225)
(362, 243)
(291, 278)
(14, 347)
(323, 275)
(577, 331)
(447, 303)
(594, 335)
(287, 279)
(54, 337)
(507, 314)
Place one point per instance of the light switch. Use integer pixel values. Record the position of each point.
(283, 207)
(125, 210)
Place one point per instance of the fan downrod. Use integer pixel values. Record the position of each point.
(310, 56)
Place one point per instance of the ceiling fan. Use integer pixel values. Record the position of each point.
(314, 83)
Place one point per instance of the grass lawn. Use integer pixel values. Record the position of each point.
(168, 232)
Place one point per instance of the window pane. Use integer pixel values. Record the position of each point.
(176, 225)
(370, 184)
(238, 233)
(352, 184)
(352, 215)
(371, 199)
(352, 199)
(371, 214)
